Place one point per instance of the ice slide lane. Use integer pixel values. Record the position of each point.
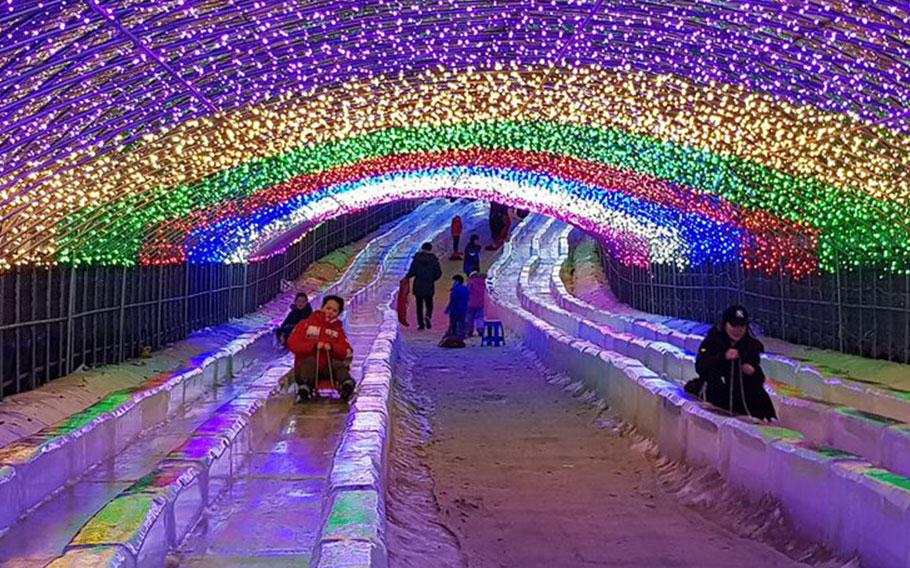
(271, 511)
(166, 467)
(823, 422)
(822, 465)
(41, 535)
(59, 518)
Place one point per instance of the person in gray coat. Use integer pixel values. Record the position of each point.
(425, 271)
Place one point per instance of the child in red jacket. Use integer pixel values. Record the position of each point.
(320, 345)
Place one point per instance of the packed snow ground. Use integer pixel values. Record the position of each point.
(495, 463)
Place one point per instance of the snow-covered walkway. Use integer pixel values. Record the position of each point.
(523, 476)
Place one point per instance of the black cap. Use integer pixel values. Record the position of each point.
(736, 315)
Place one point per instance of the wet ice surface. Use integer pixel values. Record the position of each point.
(269, 514)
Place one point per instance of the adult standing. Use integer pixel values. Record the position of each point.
(496, 220)
(425, 271)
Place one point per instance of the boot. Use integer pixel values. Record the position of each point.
(347, 390)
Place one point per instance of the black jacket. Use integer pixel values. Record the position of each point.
(749, 396)
(471, 259)
(296, 316)
(425, 271)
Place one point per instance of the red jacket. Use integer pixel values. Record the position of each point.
(315, 329)
(456, 226)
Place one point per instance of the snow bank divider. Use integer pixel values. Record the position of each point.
(354, 520)
(33, 468)
(353, 532)
(832, 496)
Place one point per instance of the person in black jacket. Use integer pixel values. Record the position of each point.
(472, 255)
(729, 368)
(300, 310)
(425, 271)
(497, 222)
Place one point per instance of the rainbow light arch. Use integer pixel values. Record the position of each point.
(684, 133)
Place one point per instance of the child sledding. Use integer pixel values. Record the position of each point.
(322, 353)
(730, 376)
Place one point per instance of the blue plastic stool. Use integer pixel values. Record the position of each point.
(493, 333)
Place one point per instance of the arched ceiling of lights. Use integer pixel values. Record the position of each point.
(686, 132)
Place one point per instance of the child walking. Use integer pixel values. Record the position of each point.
(477, 293)
(458, 307)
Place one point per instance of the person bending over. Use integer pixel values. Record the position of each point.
(300, 310)
(729, 368)
(320, 346)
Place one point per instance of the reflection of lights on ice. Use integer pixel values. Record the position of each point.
(629, 223)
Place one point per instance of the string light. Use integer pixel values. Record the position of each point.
(835, 222)
(673, 236)
(767, 230)
(795, 145)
